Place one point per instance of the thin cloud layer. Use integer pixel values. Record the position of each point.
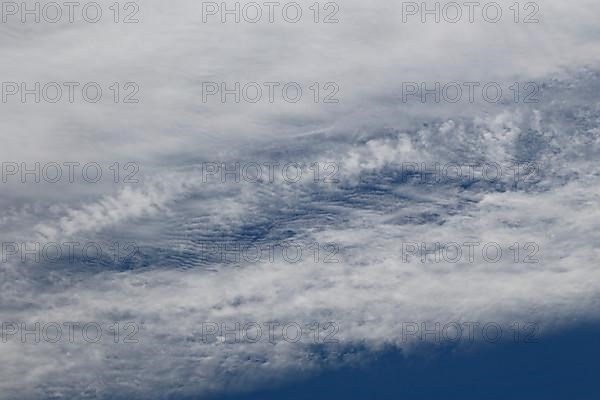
(377, 207)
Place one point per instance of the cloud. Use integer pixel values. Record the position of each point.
(377, 203)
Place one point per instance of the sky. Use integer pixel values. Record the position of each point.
(204, 207)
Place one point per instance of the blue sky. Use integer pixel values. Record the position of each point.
(299, 177)
(555, 367)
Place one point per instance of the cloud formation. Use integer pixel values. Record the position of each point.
(377, 204)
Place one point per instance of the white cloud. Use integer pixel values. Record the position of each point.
(369, 213)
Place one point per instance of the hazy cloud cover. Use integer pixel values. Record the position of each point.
(375, 205)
